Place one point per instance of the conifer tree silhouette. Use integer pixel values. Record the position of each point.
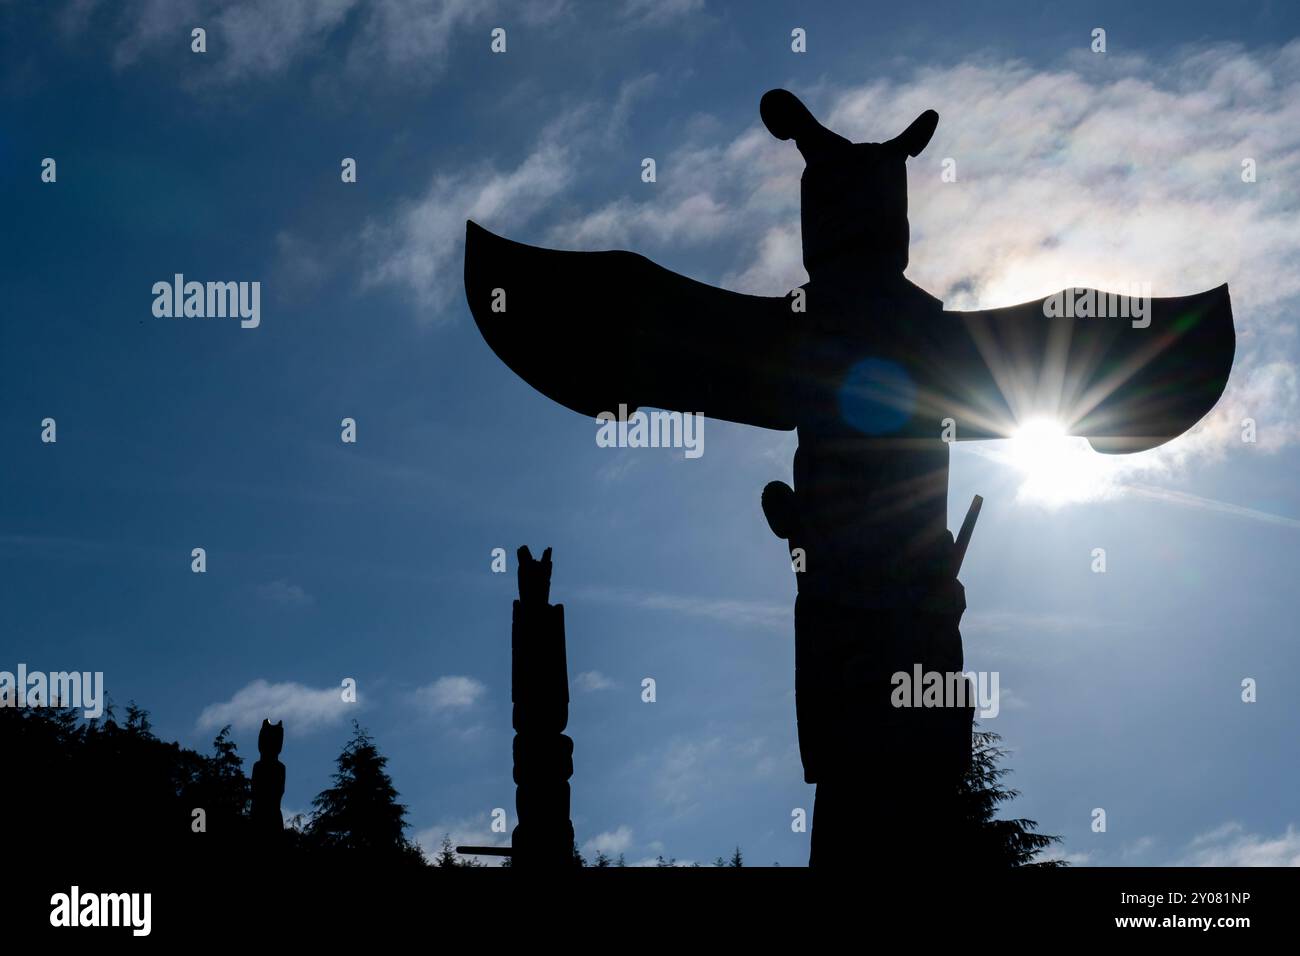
(448, 857)
(989, 842)
(360, 813)
(219, 786)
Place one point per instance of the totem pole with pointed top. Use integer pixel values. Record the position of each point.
(540, 692)
(268, 784)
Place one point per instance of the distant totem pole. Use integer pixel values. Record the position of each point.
(543, 754)
(268, 784)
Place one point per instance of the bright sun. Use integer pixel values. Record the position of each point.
(1038, 444)
(1057, 469)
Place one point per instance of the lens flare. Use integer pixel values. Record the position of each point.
(1057, 468)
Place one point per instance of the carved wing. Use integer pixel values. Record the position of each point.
(1124, 387)
(592, 330)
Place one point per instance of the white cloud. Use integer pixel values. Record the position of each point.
(449, 694)
(1226, 845)
(1139, 848)
(707, 193)
(1209, 504)
(1231, 845)
(464, 831)
(1067, 177)
(303, 709)
(248, 39)
(1009, 699)
(420, 250)
(610, 843)
(687, 771)
(697, 217)
(1065, 856)
(294, 819)
(255, 39)
(592, 681)
(413, 34)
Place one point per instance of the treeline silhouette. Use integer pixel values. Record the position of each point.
(104, 789)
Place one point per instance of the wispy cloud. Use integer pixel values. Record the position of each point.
(406, 40)
(1186, 500)
(450, 694)
(611, 843)
(1232, 845)
(1228, 845)
(463, 831)
(245, 39)
(419, 249)
(1071, 858)
(686, 769)
(590, 681)
(769, 616)
(303, 709)
(1065, 177)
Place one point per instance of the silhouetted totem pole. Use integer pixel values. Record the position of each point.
(268, 785)
(877, 377)
(539, 688)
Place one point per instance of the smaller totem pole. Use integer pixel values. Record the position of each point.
(539, 679)
(268, 785)
(539, 675)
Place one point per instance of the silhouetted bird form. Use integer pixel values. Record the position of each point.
(876, 377)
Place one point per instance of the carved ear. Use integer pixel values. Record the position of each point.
(785, 116)
(914, 139)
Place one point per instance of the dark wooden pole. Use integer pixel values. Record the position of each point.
(543, 754)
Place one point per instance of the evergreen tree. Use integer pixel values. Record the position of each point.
(447, 855)
(220, 786)
(996, 843)
(146, 810)
(360, 813)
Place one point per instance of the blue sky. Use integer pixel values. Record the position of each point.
(372, 561)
